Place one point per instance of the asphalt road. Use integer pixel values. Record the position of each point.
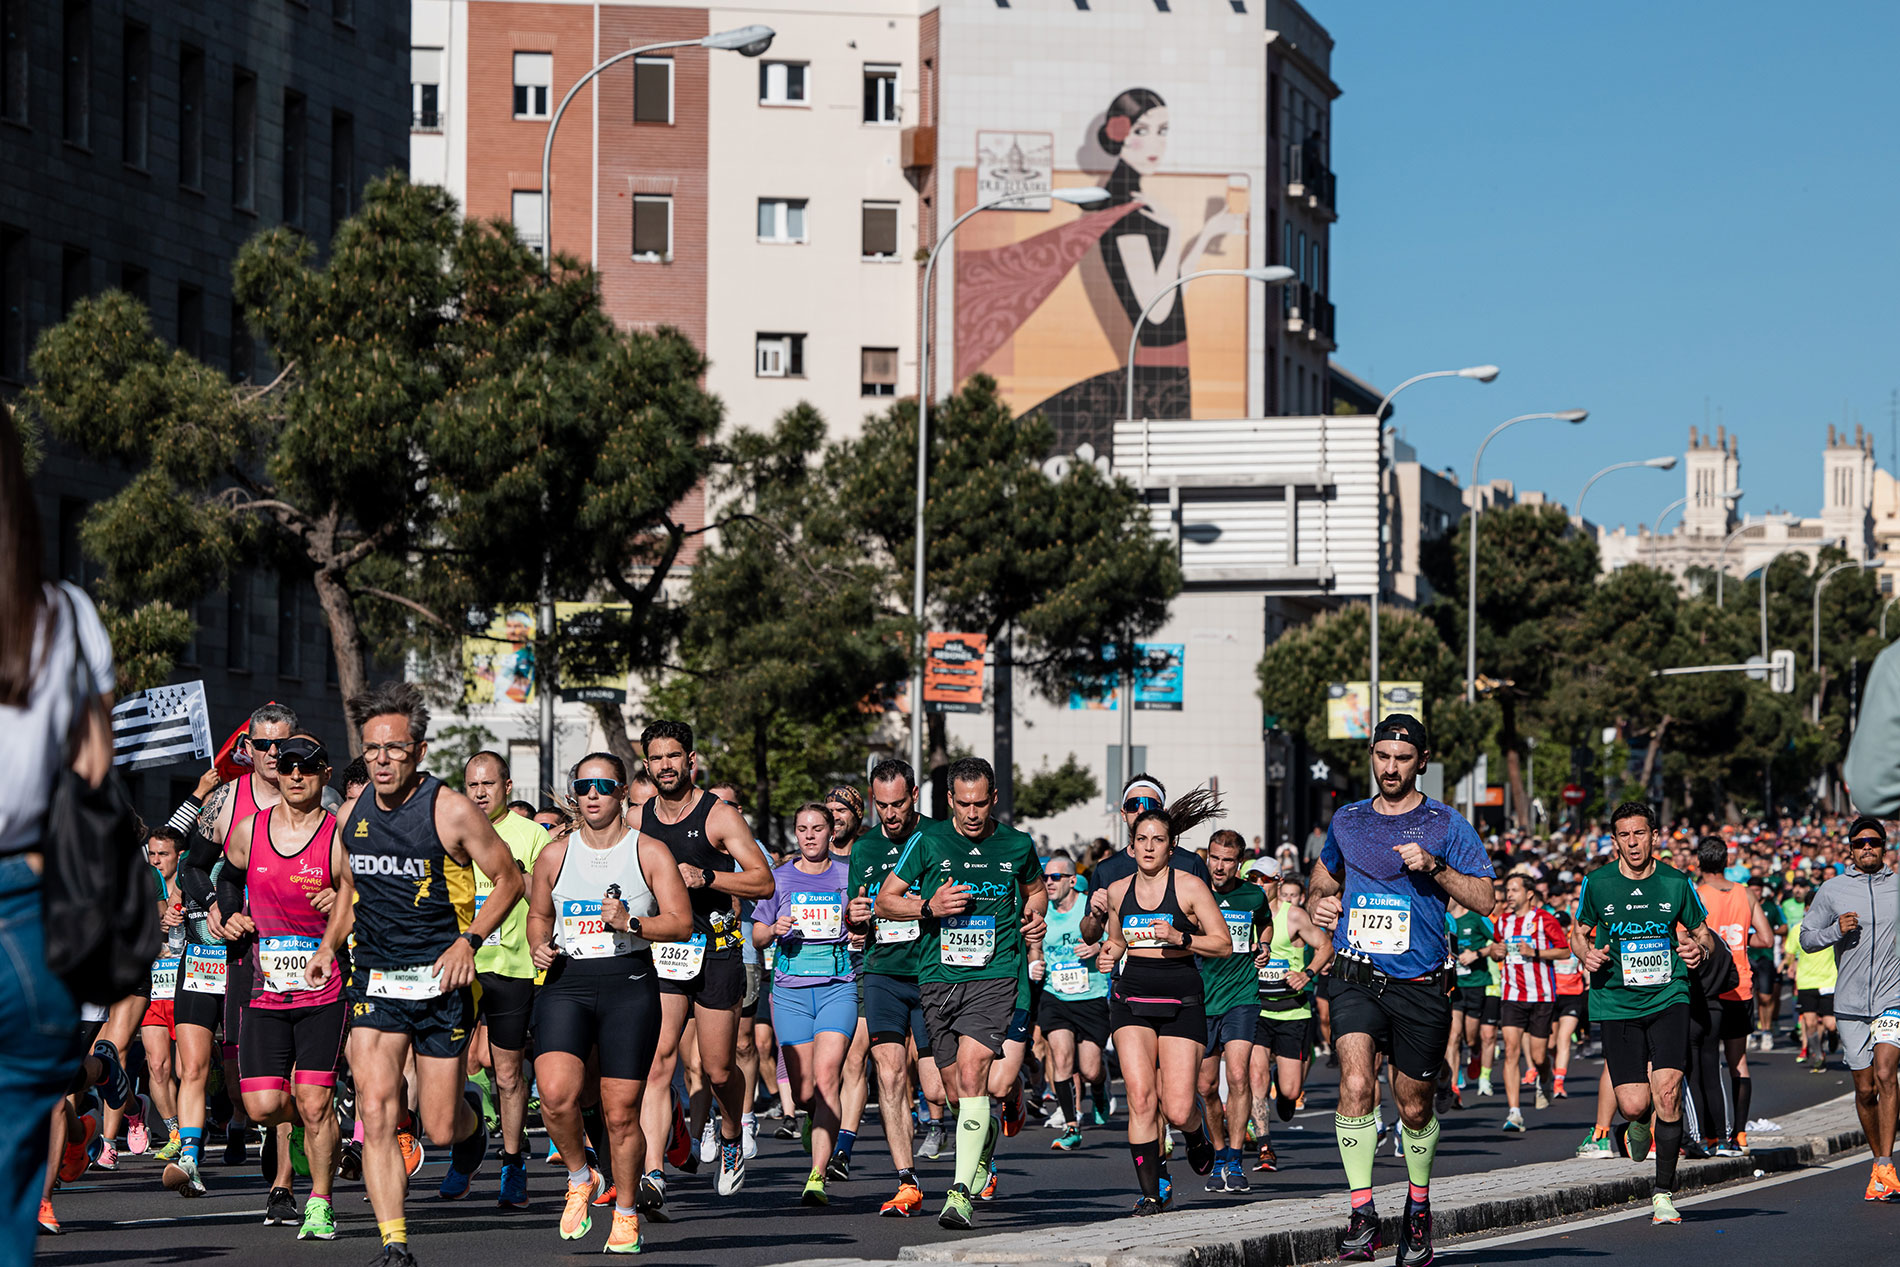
(124, 1217)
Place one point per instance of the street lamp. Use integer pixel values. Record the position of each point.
(1471, 579)
(1733, 494)
(1820, 585)
(1271, 273)
(1476, 373)
(1884, 609)
(1721, 565)
(1081, 196)
(1665, 463)
(747, 40)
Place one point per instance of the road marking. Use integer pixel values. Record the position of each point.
(1636, 1211)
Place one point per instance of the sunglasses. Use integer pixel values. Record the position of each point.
(1140, 804)
(268, 745)
(596, 787)
(1058, 875)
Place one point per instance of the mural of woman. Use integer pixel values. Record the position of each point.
(1140, 249)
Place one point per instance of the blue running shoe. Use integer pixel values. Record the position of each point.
(514, 1187)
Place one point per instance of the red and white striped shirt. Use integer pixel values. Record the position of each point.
(1526, 978)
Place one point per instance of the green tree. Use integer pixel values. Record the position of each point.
(1047, 792)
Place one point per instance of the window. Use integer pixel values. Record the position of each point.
(292, 175)
(880, 94)
(244, 141)
(237, 623)
(652, 90)
(76, 74)
(75, 278)
(878, 373)
(289, 625)
(783, 83)
(191, 118)
(880, 231)
(13, 61)
(781, 219)
(136, 103)
(524, 209)
(342, 168)
(13, 340)
(191, 321)
(781, 356)
(136, 282)
(653, 228)
(534, 79)
(425, 89)
(243, 347)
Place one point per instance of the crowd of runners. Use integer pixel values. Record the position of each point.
(364, 964)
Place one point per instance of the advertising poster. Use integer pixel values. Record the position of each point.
(498, 664)
(1347, 703)
(1158, 681)
(953, 672)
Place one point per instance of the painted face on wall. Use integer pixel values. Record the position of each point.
(1147, 142)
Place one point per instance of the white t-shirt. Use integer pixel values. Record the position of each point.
(33, 739)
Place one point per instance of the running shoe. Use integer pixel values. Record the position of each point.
(1728, 1148)
(108, 1158)
(455, 1184)
(1237, 1176)
(319, 1221)
(577, 1208)
(1013, 1112)
(1883, 1184)
(1201, 1156)
(182, 1177)
(1068, 1141)
(169, 1150)
(1415, 1236)
(349, 1161)
(1543, 1101)
(514, 1186)
(989, 1186)
(1098, 1116)
(1484, 1087)
(1300, 1103)
(1442, 1097)
(113, 1083)
(625, 1236)
(1637, 1139)
(787, 1128)
(1269, 1160)
(814, 1193)
(679, 1144)
(731, 1167)
(1361, 1243)
(1741, 1140)
(395, 1254)
(749, 1132)
(651, 1195)
(236, 1153)
(839, 1167)
(280, 1209)
(909, 1199)
(554, 1154)
(1529, 1078)
(412, 1154)
(73, 1161)
(138, 1139)
(1694, 1149)
(956, 1213)
(1167, 1189)
(1145, 1206)
(1663, 1210)
(1217, 1177)
(49, 1222)
(1057, 1121)
(607, 1195)
(932, 1146)
(1819, 1065)
(1597, 1146)
(1513, 1121)
(1557, 1091)
(709, 1140)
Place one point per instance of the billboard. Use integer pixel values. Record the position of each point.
(1346, 706)
(953, 672)
(498, 663)
(1159, 684)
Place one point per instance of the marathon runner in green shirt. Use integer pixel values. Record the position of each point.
(1231, 989)
(1639, 929)
(1475, 1011)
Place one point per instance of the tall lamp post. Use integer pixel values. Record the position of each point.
(1820, 585)
(1476, 373)
(1655, 535)
(1721, 564)
(1664, 463)
(1081, 196)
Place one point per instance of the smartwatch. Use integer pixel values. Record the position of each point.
(708, 873)
(474, 940)
(1438, 865)
(926, 911)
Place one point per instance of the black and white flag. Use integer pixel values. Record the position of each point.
(162, 726)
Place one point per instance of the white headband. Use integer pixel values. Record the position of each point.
(1149, 784)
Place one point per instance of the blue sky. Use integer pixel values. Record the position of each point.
(1633, 208)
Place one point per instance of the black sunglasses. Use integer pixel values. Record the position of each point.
(600, 787)
(268, 745)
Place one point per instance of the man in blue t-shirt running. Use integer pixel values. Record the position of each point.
(1381, 884)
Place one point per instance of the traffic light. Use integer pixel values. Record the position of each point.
(1781, 672)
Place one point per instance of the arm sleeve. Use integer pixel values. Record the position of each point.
(194, 869)
(1872, 767)
(1821, 926)
(230, 889)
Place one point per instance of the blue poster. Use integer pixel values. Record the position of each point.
(1158, 681)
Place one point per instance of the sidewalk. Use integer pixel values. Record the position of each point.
(1296, 1230)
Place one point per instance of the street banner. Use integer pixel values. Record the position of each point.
(953, 672)
(498, 663)
(165, 725)
(1346, 706)
(1158, 681)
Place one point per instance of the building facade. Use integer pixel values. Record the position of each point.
(142, 143)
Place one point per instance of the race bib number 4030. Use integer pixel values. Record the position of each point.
(1379, 924)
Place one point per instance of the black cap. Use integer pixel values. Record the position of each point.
(304, 750)
(1403, 727)
(1866, 823)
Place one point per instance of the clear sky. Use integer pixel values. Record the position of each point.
(1658, 211)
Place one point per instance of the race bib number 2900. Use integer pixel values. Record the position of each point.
(1379, 924)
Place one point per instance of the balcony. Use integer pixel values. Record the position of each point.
(1308, 315)
(1310, 182)
(425, 121)
(918, 147)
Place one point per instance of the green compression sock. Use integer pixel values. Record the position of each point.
(973, 1124)
(1358, 1144)
(1421, 1150)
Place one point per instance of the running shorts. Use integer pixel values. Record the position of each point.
(1577, 1005)
(1468, 999)
(1814, 1001)
(438, 1028)
(291, 1045)
(720, 985)
(1163, 995)
(1660, 1039)
(1535, 1019)
(1733, 1018)
(1410, 1021)
(1087, 1019)
(1857, 1042)
(618, 1012)
(1235, 1025)
(192, 1007)
(506, 1005)
(894, 1007)
(803, 1013)
(980, 1010)
(1290, 1038)
(158, 1013)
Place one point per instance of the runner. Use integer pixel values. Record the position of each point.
(707, 972)
(1231, 1004)
(814, 989)
(1815, 976)
(1392, 862)
(1736, 918)
(505, 971)
(1529, 940)
(1286, 968)
(1475, 1011)
(1764, 966)
(288, 860)
(1639, 986)
(1074, 1014)
(1853, 914)
(409, 898)
(845, 804)
(157, 1028)
(983, 900)
(893, 1006)
(1573, 998)
(601, 896)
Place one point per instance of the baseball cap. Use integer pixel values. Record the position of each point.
(1405, 728)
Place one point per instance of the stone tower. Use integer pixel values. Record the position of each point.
(1847, 495)
(1714, 467)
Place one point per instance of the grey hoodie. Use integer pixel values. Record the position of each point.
(1868, 957)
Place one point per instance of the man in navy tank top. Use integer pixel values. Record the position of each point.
(1381, 885)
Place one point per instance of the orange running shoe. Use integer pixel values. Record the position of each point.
(1883, 1184)
(49, 1222)
(625, 1237)
(72, 1162)
(576, 1219)
(412, 1154)
(908, 1201)
(607, 1197)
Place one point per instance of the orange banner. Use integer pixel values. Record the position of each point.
(953, 672)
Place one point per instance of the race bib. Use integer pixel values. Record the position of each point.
(818, 916)
(1379, 924)
(1138, 931)
(165, 978)
(585, 935)
(1068, 978)
(680, 960)
(282, 961)
(1465, 969)
(494, 938)
(1520, 950)
(1274, 973)
(892, 931)
(1646, 962)
(405, 983)
(1886, 1026)
(1240, 928)
(1568, 967)
(204, 969)
(966, 941)
(770, 957)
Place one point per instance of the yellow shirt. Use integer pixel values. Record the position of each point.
(506, 952)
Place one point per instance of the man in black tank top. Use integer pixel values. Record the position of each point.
(719, 865)
(409, 894)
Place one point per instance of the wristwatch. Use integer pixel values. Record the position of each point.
(925, 913)
(708, 873)
(1438, 865)
(474, 940)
